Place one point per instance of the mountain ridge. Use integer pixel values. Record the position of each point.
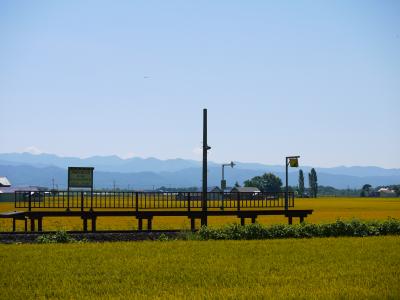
(144, 173)
(113, 163)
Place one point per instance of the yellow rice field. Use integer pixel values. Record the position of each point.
(326, 209)
(328, 268)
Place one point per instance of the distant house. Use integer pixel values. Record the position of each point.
(4, 182)
(386, 193)
(7, 191)
(245, 189)
(214, 189)
(245, 193)
(213, 193)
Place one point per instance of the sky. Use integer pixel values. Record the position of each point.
(319, 79)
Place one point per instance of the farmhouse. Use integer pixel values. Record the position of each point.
(4, 182)
(7, 190)
(214, 189)
(248, 192)
(215, 194)
(246, 189)
(386, 193)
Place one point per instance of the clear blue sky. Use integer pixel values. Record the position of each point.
(316, 78)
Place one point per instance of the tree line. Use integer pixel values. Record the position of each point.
(269, 182)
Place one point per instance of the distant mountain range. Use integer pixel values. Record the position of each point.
(140, 173)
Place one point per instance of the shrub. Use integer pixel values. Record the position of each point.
(339, 228)
(58, 237)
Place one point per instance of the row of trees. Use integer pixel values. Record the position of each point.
(266, 183)
(269, 182)
(312, 181)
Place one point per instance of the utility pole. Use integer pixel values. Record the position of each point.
(205, 149)
(223, 182)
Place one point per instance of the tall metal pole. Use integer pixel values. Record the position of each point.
(204, 193)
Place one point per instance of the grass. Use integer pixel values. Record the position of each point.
(324, 268)
(325, 210)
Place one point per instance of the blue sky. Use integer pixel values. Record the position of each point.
(318, 79)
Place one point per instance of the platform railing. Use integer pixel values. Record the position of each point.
(84, 200)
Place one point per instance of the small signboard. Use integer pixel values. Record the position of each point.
(80, 177)
(293, 162)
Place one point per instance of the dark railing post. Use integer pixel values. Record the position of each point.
(91, 200)
(137, 201)
(286, 185)
(67, 199)
(238, 200)
(82, 201)
(188, 199)
(30, 202)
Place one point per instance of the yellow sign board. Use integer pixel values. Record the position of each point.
(293, 162)
(79, 177)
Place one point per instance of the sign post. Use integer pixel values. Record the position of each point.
(292, 161)
(80, 177)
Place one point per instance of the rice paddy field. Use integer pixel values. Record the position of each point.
(326, 268)
(325, 210)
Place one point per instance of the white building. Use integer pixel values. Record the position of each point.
(386, 193)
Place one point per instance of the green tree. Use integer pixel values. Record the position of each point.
(268, 182)
(237, 184)
(313, 183)
(301, 183)
(365, 190)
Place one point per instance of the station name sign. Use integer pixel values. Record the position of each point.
(80, 177)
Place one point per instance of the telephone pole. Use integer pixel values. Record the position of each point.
(205, 149)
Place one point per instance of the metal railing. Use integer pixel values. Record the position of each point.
(148, 200)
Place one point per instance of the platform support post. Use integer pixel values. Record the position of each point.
(242, 221)
(85, 224)
(253, 219)
(32, 224)
(301, 219)
(140, 224)
(93, 223)
(290, 220)
(40, 224)
(192, 224)
(13, 224)
(149, 224)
